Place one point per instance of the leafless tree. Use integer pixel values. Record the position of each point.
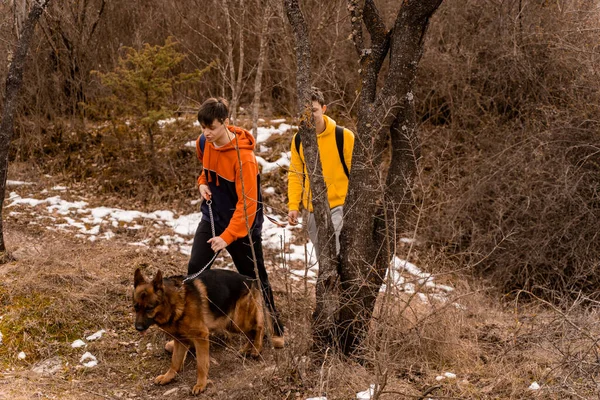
(262, 55)
(326, 294)
(19, 13)
(379, 191)
(235, 79)
(14, 81)
(70, 31)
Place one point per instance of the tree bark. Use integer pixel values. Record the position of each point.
(323, 319)
(262, 56)
(235, 84)
(376, 204)
(20, 12)
(14, 82)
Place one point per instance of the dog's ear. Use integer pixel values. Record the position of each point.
(138, 278)
(157, 282)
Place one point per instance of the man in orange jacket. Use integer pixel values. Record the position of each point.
(233, 185)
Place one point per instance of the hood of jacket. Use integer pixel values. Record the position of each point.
(243, 139)
(224, 160)
(330, 125)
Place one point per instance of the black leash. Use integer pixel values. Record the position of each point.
(212, 227)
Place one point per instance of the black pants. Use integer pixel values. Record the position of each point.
(241, 253)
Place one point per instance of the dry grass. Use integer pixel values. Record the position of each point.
(61, 289)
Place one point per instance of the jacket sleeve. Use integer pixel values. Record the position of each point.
(348, 147)
(295, 178)
(247, 198)
(201, 178)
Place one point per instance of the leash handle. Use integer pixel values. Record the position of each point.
(212, 220)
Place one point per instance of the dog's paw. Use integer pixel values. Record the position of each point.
(199, 387)
(278, 342)
(250, 351)
(164, 379)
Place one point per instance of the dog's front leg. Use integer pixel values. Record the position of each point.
(179, 352)
(202, 356)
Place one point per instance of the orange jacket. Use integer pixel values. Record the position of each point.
(224, 175)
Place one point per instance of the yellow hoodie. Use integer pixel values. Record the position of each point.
(336, 180)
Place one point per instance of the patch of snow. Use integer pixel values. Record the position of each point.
(93, 361)
(408, 240)
(78, 343)
(301, 272)
(17, 183)
(164, 122)
(186, 224)
(367, 394)
(445, 375)
(96, 335)
(267, 167)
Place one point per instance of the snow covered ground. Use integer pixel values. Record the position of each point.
(100, 223)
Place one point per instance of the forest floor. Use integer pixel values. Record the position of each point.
(63, 287)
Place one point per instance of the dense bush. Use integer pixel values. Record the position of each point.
(511, 168)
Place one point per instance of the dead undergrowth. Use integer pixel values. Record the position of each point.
(61, 289)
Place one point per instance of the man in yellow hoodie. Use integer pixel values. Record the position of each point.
(335, 151)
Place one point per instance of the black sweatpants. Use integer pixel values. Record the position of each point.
(241, 253)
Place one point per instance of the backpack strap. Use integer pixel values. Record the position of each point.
(202, 142)
(339, 140)
(297, 142)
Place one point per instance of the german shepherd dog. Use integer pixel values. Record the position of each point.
(217, 300)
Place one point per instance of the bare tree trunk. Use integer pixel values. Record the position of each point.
(378, 198)
(20, 12)
(262, 56)
(235, 84)
(324, 324)
(238, 84)
(14, 82)
(383, 118)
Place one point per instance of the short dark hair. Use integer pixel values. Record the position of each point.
(317, 95)
(213, 108)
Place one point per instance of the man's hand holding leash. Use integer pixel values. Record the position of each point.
(293, 217)
(217, 244)
(205, 192)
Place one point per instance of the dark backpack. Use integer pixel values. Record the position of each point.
(339, 141)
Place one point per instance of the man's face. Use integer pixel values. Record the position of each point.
(215, 131)
(318, 111)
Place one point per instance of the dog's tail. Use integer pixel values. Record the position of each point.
(271, 320)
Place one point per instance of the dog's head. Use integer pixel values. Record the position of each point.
(147, 299)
